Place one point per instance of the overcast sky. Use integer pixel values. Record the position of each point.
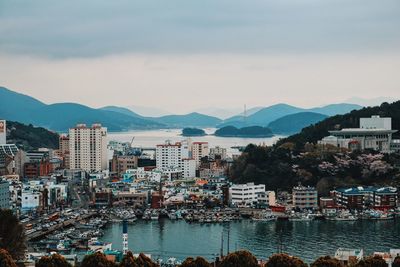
(181, 55)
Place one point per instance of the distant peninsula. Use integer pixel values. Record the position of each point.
(251, 132)
(193, 132)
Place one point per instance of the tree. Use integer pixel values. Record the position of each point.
(375, 261)
(396, 262)
(6, 259)
(326, 261)
(12, 236)
(198, 262)
(239, 259)
(284, 260)
(128, 261)
(144, 261)
(96, 260)
(55, 260)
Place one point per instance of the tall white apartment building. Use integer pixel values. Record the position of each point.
(176, 155)
(88, 147)
(246, 194)
(199, 150)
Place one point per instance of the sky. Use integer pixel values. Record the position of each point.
(180, 55)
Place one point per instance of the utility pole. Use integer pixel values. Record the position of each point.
(222, 245)
(227, 248)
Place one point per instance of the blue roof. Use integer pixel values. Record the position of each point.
(369, 189)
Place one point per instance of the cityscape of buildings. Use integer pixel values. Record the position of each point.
(87, 172)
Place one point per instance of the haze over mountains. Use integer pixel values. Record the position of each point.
(282, 118)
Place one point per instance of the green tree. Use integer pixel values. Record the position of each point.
(96, 260)
(55, 260)
(375, 261)
(12, 236)
(6, 259)
(198, 262)
(239, 259)
(284, 260)
(396, 262)
(326, 261)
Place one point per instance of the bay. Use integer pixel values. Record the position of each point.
(150, 138)
(307, 240)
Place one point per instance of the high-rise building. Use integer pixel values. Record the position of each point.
(199, 151)
(64, 150)
(3, 132)
(170, 155)
(88, 147)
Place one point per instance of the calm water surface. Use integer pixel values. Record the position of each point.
(308, 240)
(151, 138)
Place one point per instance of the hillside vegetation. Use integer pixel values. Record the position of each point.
(299, 159)
(29, 137)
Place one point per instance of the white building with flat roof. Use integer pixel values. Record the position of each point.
(246, 194)
(88, 147)
(374, 133)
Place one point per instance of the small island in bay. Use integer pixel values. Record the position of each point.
(251, 131)
(193, 132)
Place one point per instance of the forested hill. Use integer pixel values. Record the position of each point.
(29, 137)
(290, 161)
(313, 133)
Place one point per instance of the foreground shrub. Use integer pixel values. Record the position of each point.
(6, 259)
(375, 261)
(96, 260)
(284, 260)
(396, 262)
(198, 262)
(12, 234)
(239, 259)
(326, 261)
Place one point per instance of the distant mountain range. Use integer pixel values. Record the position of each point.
(293, 123)
(61, 116)
(267, 115)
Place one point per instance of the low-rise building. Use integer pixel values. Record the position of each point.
(134, 199)
(362, 197)
(30, 200)
(374, 133)
(246, 194)
(305, 197)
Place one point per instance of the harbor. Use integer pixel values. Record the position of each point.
(181, 233)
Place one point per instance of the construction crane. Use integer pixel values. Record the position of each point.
(133, 138)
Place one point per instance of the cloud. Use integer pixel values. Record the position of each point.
(63, 29)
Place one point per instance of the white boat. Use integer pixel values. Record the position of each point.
(344, 216)
(265, 216)
(154, 216)
(301, 218)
